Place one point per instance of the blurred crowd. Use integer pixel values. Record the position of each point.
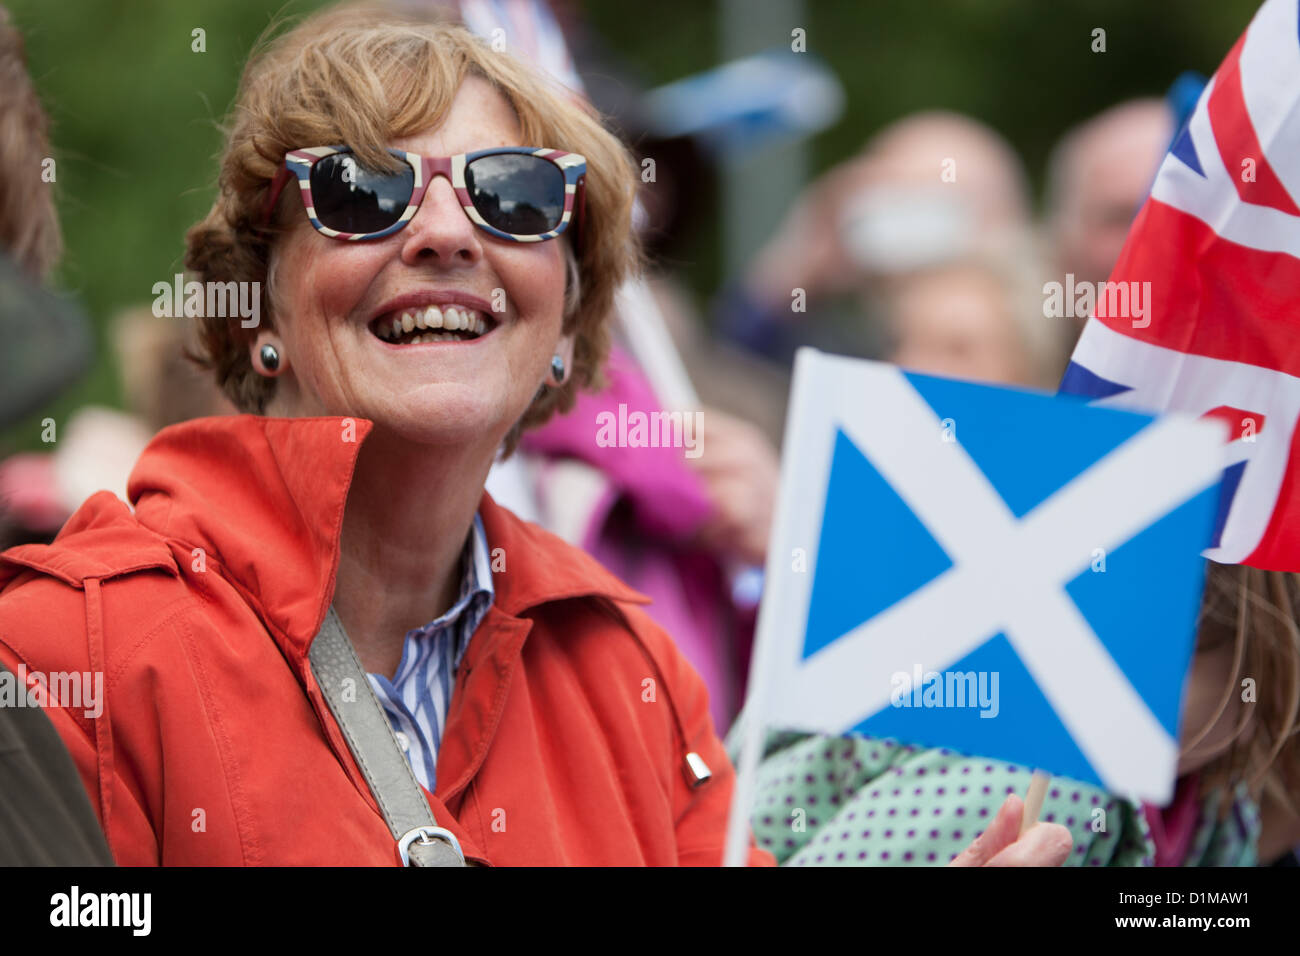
(926, 249)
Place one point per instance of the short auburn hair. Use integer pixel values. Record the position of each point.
(365, 75)
(29, 225)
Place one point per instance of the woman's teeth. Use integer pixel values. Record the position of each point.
(416, 326)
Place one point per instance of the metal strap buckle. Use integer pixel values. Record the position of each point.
(426, 836)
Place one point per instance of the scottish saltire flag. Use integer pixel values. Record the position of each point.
(1002, 572)
(1219, 242)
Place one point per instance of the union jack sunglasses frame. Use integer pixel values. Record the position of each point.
(299, 162)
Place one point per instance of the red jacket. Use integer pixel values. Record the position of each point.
(568, 727)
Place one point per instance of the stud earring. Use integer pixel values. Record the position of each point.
(557, 369)
(270, 358)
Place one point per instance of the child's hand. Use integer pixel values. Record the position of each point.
(1045, 844)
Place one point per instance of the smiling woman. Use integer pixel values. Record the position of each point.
(323, 642)
(360, 85)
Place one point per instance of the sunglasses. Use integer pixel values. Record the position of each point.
(517, 193)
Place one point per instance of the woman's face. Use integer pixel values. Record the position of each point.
(333, 298)
(955, 322)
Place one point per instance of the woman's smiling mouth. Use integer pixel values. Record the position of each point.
(420, 326)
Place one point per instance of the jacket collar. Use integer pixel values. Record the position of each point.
(264, 499)
(102, 540)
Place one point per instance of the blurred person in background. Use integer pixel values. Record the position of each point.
(929, 189)
(1098, 175)
(45, 816)
(977, 318)
(98, 446)
(161, 382)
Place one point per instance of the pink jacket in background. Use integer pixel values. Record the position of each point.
(638, 511)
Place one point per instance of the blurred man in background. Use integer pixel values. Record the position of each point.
(1098, 175)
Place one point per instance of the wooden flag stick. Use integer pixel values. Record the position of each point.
(1034, 800)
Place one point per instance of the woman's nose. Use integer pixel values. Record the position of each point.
(440, 229)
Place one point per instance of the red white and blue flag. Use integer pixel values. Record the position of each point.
(1218, 241)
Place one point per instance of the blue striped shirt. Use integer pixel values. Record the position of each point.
(417, 697)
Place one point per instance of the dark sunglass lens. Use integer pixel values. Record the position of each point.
(517, 193)
(350, 198)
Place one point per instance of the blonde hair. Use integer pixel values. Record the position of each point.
(1256, 611)
(1010, 261)
(365, 75)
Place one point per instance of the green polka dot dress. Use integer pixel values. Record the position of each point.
(858, 801)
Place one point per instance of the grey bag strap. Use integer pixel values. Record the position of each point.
(420, 841)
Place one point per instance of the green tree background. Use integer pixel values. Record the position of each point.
(136, 112)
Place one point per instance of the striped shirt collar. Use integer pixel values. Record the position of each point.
(474, 598)
(416, 701)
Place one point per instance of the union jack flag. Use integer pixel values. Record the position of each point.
(1218, 240)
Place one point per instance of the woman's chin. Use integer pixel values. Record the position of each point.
(443, 425)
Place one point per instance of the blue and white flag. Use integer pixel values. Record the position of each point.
(1002, 572)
